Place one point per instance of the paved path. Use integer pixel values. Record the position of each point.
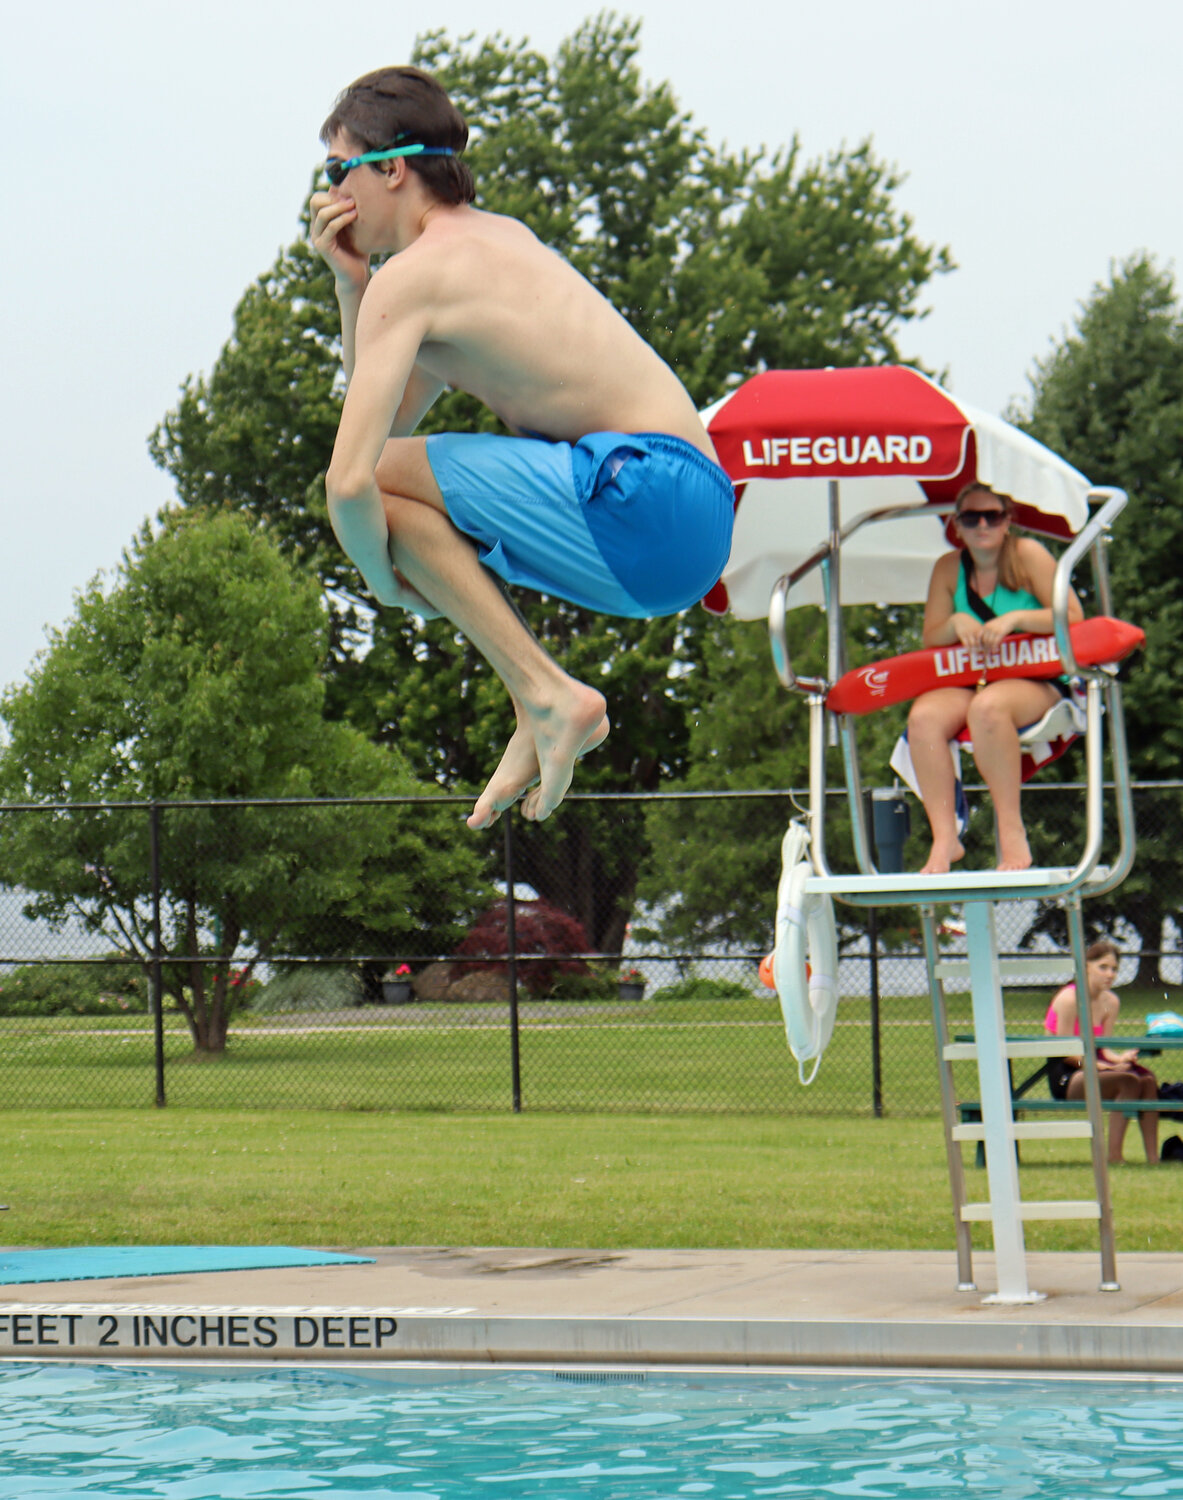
(739, 1307)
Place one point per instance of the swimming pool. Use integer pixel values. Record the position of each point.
(92, 1432)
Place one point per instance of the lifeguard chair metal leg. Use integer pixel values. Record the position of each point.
(1092, 1095)
(940, 1021)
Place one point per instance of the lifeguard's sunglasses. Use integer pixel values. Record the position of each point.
(972, 518)
(337, 170)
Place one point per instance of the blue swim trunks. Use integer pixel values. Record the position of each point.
(633, 524)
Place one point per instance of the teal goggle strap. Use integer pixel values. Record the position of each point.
(416, 150)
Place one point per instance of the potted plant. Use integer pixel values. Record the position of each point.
(396, 985)
(630, 984)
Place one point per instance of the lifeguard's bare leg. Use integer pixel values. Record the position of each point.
(559, 718)
(934, 720)
(994, 718)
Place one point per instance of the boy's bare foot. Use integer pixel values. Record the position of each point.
(562, 734)
(943, 856)
(518, 771)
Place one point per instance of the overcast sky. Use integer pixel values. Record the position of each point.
(158, 157)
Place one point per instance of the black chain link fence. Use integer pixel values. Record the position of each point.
(363, 955)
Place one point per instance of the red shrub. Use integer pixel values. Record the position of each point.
(539, 929)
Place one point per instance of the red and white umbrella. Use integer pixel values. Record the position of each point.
(891, 437)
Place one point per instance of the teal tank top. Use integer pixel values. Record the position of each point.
(1002, 600)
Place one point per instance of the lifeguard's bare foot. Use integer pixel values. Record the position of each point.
(942, 857)
(1014, 853)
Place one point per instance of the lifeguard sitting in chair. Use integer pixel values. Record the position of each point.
(996, 585)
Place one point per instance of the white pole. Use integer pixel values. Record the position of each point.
(997, 1113)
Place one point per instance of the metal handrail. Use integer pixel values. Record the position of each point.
(1093, 531)
(1123, 794)
(778, 640)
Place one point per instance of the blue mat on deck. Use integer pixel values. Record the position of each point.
(87, 1262)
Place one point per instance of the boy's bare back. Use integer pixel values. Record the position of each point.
(514, 325)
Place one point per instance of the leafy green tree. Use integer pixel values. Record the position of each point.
(725, 263)
(195, 676)
(1110, 399)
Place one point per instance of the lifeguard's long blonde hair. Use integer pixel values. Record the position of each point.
(1008, 559)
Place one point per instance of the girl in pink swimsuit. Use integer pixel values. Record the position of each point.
(1120, 1075)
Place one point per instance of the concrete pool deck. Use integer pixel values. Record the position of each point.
(737, 1308)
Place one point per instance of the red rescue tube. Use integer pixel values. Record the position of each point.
(1096, 641)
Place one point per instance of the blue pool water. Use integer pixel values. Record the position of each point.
(94, 1432)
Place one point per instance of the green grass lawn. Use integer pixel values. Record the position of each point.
(360, 1179)
(647, 1125)
(701, 1056)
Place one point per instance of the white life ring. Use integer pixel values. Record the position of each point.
(805, 930)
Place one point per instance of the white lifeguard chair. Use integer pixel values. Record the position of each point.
(870, 461)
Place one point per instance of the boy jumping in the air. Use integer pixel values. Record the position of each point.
(611, 496)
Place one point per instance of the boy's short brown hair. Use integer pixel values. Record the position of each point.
(406, 106)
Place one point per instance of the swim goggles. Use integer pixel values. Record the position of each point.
(337, 170)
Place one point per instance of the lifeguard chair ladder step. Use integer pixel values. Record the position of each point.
(1032, 1130)
(1061, 1208)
